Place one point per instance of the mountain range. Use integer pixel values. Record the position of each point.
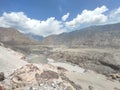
(93, 36)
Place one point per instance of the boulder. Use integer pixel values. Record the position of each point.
(2, 76)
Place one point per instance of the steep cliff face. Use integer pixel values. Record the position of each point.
(95, 36)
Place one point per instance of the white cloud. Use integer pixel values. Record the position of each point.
(114, 16)
(50, 26)
(88, 17)
(115, 12)
(65, 17)
(21, 22)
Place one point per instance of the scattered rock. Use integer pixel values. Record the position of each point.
(49, 75)
(91, 87)
(61, 69)
(2, 76)
(101, 62)
(114, 76)
(23, 57)
(30, 77)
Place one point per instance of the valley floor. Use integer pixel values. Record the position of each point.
(60, 68)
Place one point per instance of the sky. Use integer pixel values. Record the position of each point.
(47, 17)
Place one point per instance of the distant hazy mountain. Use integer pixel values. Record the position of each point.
(12, 36)
(101, 36)
(35, 37)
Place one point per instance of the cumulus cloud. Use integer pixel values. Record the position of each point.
(88, 17)
(51, 26)
(65, 17)
(114, 16)
(21, 22)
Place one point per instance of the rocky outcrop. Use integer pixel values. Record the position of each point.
(30, 77)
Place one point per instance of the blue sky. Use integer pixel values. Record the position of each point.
(46, 17)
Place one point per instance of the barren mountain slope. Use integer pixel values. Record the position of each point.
(94, 36)
(12, 36)
(10, 60)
